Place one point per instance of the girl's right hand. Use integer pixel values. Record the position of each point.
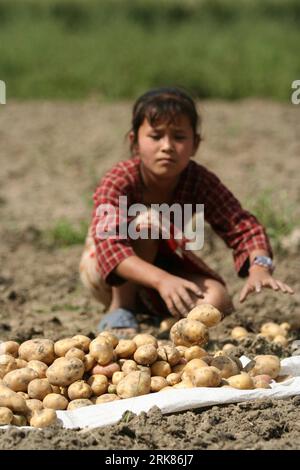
(178, 294)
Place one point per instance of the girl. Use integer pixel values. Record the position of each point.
(161, 272)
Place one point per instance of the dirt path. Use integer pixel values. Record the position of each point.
(52, 155)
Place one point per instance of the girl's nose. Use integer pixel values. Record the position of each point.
(167, 144)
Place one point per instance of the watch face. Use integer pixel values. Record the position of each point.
(263, 261)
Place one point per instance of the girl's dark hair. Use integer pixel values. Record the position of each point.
(163, 104)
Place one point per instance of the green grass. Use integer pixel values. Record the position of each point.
(277, 216)
(65, 234)
(116, 49)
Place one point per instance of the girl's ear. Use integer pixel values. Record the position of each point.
(197, 141)
(133, 144)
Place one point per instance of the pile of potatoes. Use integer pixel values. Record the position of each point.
(40, 376)
(271, 331)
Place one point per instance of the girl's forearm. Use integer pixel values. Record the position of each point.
(137, 270)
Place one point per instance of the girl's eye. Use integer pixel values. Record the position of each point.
(155, 136)
(180, 137)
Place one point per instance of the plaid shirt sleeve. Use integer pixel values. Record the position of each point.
(239, 229)
(111, 248)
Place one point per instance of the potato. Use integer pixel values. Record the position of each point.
(179, 368)
(187, 383)
(33, 405)
(117, 376)
(7, 364)
(166, 389)
(285, 327)
(134, 384)
(89, 362)
(111, 338)
(21, 363)
(62, 346)
(228, 347)
(102, 350)
(9, 347)
(169, 354)
(206, 314)
(266, 364)
(259, 382)
(107, 370)
(84, 342)
(43, 418)
(55, 401)
(206, 377)
(65, 371)
(157, 383)
(239, 333)
(280, 339)
(181, 349)
(194, 352)
(6, 415)
(242, 381)
(19, 420)
(80, 403)
(98, 384)
(192, 365)
(189, 333)
(75, 352)
(161, 368)
(18, 380)
(126, 348)
(142, 339)
(226, 366)
(79, 389)
(166, 324)
(12, 400)
(39, 367)
(145, 355)
(173, 378)
(39, 388)
(24, 395)
(271, 329)
(129, 366)
(106, 398)
(37, 349)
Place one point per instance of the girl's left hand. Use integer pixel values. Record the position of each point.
(260, 277)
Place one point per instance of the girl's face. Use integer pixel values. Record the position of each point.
(165, 149)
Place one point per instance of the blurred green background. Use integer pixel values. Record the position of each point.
(115, 49)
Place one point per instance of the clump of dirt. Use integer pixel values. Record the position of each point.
(52, 155)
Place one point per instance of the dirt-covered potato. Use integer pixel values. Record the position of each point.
(143, 339)
(65, 371)
(125, 348)
(79, 403)
(280, 339)
(228, 347)
(19, 420)
(226, 366)
(21, 363)
(39, 388)
(184, 384)
(271, 329)
(166, 324)
(161, 369)
(112, 339)
(9, 347)
(33, 404)
(134, 384)
(79, 389)
(37, 349)
(7, 364)
(145, 355)
(10, 399)
(117, 376)
(102, 350)
(173, 378)
(129, 366)
(107, 397)
(75, 352)
(189, 333)
(43, 418)
(84, 342)
(62, 346)
(206, 314)
(181, 349)
(179, 368)
(206, 377)
(260, 382)
(89, 362)
(242, 381)
(6, 415)
(191, 366)
(55, 401)
(99, 384)
(157, 383)
(169, 354)
(24, 395)
(239, 332)
(18, 380)
(266, 364)
(194, 352)
(107, 370)
(39, 367)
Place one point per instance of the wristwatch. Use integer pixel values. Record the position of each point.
(264, 261)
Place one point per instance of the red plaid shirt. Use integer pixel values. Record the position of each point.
(239, 229)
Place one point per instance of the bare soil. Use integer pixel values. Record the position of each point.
(51, 157)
